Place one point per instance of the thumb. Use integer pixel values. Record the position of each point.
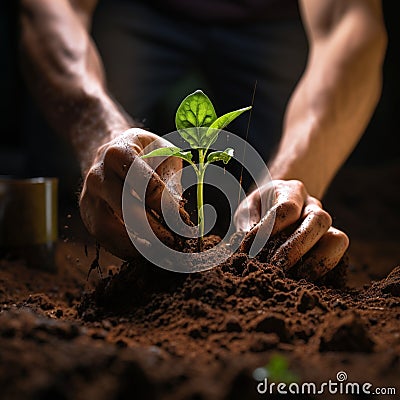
(247, 214)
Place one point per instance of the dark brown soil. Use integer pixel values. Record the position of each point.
(144, 333)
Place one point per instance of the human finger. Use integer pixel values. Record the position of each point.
(106, 226)
(144, 181)
(315, 224)
(324, 256)
(290, 197)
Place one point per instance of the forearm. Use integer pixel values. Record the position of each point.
(65, 75)
(331, 106)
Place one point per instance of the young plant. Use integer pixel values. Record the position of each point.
(198, 124)
(278, 370)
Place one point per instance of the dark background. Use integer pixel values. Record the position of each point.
(21, 122)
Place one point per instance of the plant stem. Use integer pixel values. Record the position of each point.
(200, 201)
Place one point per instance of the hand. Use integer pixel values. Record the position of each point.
(311, 237)
(101, 197)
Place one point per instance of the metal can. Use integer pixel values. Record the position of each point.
(29, 220)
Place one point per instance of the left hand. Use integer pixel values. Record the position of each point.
(313, 239)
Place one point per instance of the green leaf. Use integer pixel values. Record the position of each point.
(211, 134)
(169, 152)
(185, 155)
(209, 137)
(224, 156)
(192, 136)
(224, 120)
(162, 152)
(195, 111)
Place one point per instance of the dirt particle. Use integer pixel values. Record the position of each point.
(41, 300)
(59, 313)
(232, 324)
(306, 301)
(273, 324)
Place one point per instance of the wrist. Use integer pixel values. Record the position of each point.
(284, 166)
(100, 121)
(312, 178)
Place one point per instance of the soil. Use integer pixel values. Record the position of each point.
(140, 332)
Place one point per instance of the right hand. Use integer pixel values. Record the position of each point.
(101, 197)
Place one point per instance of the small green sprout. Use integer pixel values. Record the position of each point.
(277, 370)
(198, 124)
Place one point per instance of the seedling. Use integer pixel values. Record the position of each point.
(198, 124)
(278, 370)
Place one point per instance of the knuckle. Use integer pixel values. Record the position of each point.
(298, 185)
(277, 183)
(102, 149)
(93, 180)
(323, 217)
(118, 158)
(112, 154)
(288, 209)
(339, 240)
(317, 202)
